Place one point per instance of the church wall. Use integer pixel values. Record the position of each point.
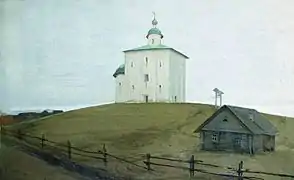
(154, 39)
(157, 68)
(120, 89)
(177, 77)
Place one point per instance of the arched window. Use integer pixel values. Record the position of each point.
(146, 77)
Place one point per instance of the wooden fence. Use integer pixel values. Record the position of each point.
(191, 164)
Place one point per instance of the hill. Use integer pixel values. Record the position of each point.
(17, 165)
(160, 129)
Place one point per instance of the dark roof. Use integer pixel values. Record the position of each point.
(259, 124)
(119, 70)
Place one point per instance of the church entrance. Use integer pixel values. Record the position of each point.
(146, 98)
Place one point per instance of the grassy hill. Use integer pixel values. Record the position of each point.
(159, 129)
(17, 165)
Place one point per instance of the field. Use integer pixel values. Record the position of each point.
(132, 130)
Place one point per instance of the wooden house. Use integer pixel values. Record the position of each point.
(237, 129)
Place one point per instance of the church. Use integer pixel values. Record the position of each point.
(151, 73)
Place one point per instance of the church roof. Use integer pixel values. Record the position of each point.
(119, 70)
(154, 31)
(155, 47)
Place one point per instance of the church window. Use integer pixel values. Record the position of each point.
(146, 78)
(160, 88)
(152, 41)
(132, 64)
(119, 84)
(160, 64)
(146, 60)
(133, 87)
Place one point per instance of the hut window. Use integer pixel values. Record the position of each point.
(251, 117)
(214, 137)
(225, 120)
(237, 141)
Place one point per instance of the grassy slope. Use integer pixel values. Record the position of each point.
(162, 129)
(17, 165)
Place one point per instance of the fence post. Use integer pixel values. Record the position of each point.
(42, 141)
(240, 171)
(1, 126)
(19, 134)
(104, 151)
(1, 131)
(69, 149)
(191, 162)
(148, 157)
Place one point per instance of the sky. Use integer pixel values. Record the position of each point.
(62, 54)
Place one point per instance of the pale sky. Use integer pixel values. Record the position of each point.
(62, 53)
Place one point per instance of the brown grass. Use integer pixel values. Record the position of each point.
(160, 129)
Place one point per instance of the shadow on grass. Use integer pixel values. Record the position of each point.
(83, 170)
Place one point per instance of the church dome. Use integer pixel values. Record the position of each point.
(154, 31)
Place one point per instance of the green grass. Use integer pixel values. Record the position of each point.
(156, 128)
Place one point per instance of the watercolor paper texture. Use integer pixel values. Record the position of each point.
(62, 54)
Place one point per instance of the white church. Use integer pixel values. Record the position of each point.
(151, 73)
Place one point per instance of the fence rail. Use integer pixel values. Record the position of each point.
(188, 164)
(192, 162)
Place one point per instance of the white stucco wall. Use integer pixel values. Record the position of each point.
(167, 77)
(154, 39)
(120, 89)
(177, 77)
(165, 68)
(157, 68)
